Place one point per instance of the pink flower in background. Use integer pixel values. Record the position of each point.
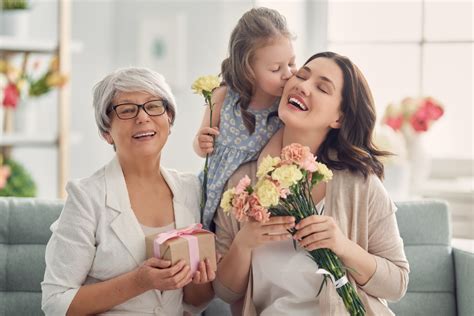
(435, 111)
(417, 113)
(394, 122)
(11, 96)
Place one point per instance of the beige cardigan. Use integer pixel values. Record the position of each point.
(366, 214)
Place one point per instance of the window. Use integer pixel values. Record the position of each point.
(414, 48)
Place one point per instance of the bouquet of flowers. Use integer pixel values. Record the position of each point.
(418, 113)
(204, 86)
(284, 189)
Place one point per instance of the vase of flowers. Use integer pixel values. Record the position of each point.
(15, 16)
(413, 117)
(24, 89)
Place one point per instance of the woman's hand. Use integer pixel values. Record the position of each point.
(319, 231)
(205, 273)
(254, 234)
(205, 139)
(158, 274)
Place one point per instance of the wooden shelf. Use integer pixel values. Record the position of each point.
(62, 46)
(44, 46)
(19, 140)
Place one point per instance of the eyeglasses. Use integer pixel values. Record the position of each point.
(127, 111)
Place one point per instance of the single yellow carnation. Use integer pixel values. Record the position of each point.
(267, 193)
(324, 171)
(226, 201)
(268, 164)
(287, 175)
(205, 84)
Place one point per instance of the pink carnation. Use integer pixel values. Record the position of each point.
(257, 211)
(297, 153)
(240, 204)
(243, 184)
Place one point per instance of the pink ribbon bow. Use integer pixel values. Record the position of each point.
(186, 233)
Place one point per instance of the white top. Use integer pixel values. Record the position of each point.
(98, 237)
(285, 280)
(150, 230)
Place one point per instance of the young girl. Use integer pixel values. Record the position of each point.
(261, 60)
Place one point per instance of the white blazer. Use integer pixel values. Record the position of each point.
(97, 237)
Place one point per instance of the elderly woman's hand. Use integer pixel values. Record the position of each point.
(319, 231)
(254, 234)
(205, 273)
(158, 274)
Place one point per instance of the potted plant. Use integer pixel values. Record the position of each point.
(15, 18)
(15, 180)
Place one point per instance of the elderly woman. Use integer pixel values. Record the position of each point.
(95, 259)
(327, 106)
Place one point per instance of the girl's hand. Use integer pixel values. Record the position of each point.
(254, 234)
(205, 273)
(158, 274)
(319, 231)
(205, 138)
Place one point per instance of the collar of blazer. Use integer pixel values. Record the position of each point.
(126, 225)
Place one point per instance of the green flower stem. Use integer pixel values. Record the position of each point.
(207, 97)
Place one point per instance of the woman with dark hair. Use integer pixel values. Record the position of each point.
(328, 107)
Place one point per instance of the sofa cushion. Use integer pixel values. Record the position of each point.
(24, 232)
(425, 229)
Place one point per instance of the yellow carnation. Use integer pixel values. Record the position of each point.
(324, 171)
(226, 201)
(267, 193)
(268, 164)
(287, 175)
(205, 84)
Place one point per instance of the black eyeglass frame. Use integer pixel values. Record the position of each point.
(141, 106)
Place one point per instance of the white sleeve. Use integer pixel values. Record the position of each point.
(70, 252)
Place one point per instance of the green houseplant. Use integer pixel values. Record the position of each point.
(15, 4)
(15, 18)
(18, 181)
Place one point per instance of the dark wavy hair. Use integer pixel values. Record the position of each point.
(257, 28)
(353, 141)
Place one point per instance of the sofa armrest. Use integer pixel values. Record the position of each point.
(464, 268)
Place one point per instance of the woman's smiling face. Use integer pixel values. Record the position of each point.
(140, 136)
(312, 98)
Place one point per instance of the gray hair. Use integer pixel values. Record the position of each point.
(132, 79)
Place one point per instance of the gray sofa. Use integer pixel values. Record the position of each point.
(441, 278)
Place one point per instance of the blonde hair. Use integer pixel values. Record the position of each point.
(257, 28)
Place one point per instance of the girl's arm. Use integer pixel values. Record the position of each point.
(204, 140)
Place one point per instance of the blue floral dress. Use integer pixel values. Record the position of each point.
(233, 147)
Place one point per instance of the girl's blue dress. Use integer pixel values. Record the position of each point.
(233, 147)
